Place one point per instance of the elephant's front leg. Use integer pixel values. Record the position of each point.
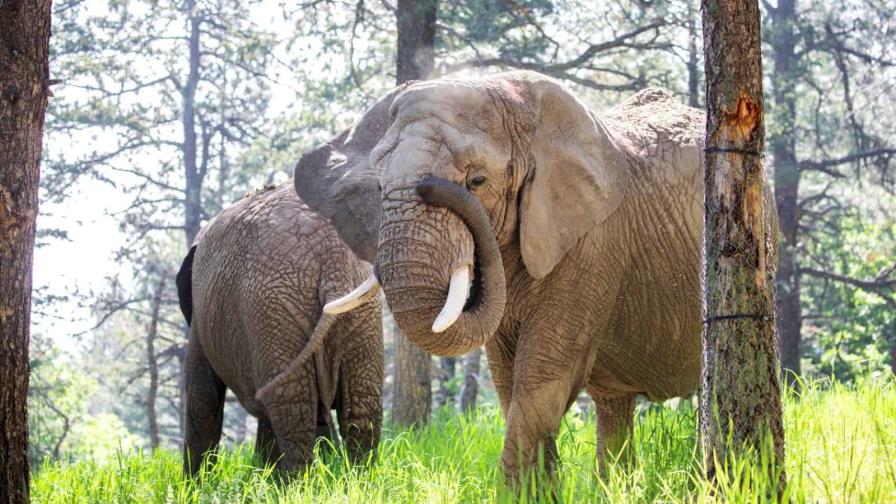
(615, 425)
(549, 372)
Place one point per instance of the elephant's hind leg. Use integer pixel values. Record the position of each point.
(292, 409)
(359, 406)
(204, 408)
(615, 427)
(266, 442)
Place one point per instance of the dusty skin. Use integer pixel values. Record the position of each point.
(261, 272)
(582, 232)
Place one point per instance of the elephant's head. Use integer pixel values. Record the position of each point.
(438, 177)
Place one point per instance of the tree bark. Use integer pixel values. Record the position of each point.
(693, 62)
(192, 175)
(893, 346)
(24, 80)
(194, 172)
(447, 372)
(741, 397)
(416, 39)
(471, 380)
(412, 400)
(152, 364)
(787, 183)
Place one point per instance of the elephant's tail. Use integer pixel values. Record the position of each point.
(184, 281)
(315, 342)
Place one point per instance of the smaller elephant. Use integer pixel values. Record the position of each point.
(253, 288)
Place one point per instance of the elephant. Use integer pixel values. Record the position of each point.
(252, 288)
(501, 211)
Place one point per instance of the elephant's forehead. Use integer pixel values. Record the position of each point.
(456, 102)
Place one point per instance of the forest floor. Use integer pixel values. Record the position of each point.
(841, 447)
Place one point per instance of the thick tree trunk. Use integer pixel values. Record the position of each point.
(741, 397)
(24, 77)
(447, 371)
(416, 20)
(787, 183)
(153, 365)
(471, 380)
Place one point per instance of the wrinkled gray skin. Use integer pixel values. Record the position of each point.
(261, 272)
(584, 237)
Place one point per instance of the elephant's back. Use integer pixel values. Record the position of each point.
(257, 279)
(663, 134)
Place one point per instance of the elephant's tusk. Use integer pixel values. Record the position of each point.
(363, 293)
(458, 291)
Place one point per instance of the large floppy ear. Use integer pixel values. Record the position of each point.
(337, 181)
(579, 179)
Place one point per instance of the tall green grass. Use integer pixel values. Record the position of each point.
(841, 447)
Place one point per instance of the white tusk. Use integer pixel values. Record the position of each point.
(458, 291)
(363, 293)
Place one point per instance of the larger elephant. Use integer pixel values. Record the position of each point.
(253, 288)
(501, 211)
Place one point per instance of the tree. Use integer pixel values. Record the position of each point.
(178, 93)
(471, 381)
(24, 86)
(820, 60)
(741, 397)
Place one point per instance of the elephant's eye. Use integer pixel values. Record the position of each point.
(477, 181)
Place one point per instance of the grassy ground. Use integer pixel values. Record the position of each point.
(841, 447)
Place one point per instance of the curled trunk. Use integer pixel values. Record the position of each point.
(419, 250)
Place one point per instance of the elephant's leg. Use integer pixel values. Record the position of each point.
(292, 410)
(545, 384)
(266, 442)
(325, 431)
(500, 351)
(359, 401)
(615, 426)
(204, 408)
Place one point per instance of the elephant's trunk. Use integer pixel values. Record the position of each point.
(415, 272)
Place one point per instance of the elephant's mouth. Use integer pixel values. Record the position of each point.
(475, 297)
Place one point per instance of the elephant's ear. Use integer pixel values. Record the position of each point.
(580, 175)
(337, 181)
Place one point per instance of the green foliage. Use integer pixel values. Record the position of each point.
(850, 330)
(56, 400)
(841, 447)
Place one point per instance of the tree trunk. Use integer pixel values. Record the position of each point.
(471, 380)
(416, 39)
(787, 183)
(24, 80)
(412, 402)
(741, 397)
(893, 346)
(192, 175)
(152, 364)
(693, 62)
(447, 372)
(416, 20)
